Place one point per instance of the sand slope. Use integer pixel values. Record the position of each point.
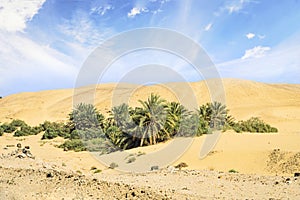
(275, 103)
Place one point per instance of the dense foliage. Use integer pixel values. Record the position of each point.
(19, 128)
(254, 125)
(156, 120)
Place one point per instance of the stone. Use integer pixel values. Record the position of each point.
(49, 175)
(181, 165)
(154, 168)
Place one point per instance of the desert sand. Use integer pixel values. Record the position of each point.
(266, 162)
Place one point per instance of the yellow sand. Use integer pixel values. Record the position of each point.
(277, 104)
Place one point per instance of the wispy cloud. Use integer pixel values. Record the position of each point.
(234, 6)
(136, 11)
(14, 13)
(82, 29)
(256, 52)
(102, 10)
(208, 27)
(250, 35)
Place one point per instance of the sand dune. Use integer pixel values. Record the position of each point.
(277, 104)
(262, 154)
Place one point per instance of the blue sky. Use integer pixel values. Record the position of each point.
(43, 43)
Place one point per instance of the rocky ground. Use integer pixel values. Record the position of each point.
(38, 180)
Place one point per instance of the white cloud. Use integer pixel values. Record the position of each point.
(236, 5)
(15, 13)
(208, 27)
(82, 30)
(281, 64)
(250, 35)
(25, 64)
(136, 11)
(101, 10)
(256, 52)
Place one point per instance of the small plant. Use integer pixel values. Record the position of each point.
(153, 168)
(233, 171)
(76, 145)
(78, 172)
(131, 160)
(130, 155)
(97, 171)
(140, 153)
(1, 131)
(211, 168)
(181, 165)
(93, 168)
(113, 165)
(63, 164)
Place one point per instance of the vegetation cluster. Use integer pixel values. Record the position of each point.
(156, 120)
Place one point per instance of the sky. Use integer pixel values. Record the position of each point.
(44, 43)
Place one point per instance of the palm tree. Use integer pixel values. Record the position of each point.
(175, 114)
(119, 138)
(218, 115)
(205, 112)
(120, 117)
(152, 118)
(85, 116)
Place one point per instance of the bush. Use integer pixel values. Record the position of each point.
(7, 128)
(131, 160)
(27, 130)
(87, 134)
(1, 131)
(101, 145)
(18, 123)
(233, 171)
(50, 134)
(93, 168)
(97, 171)
(113, 165)
(254, 125)
(76, 145)
(54, 129)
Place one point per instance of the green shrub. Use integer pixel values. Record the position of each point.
(254, 125)
(140, 153)
(76, 145)
(8, 128)
(18, 123)
(131, 160)
(101, 145)
(97, 171)
(113, 165)
(54, 129)
(87, 134)
(1, 131)
(93, 168)
(85, 116)
(50, 134)
(233, 171)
